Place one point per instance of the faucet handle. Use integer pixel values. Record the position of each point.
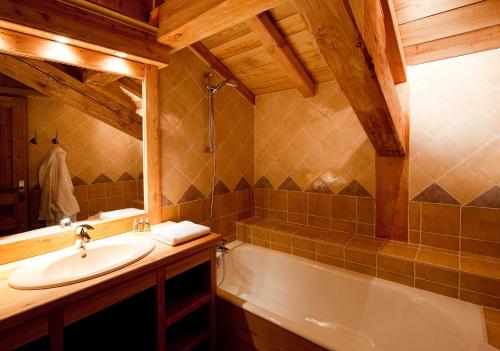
(81, 231)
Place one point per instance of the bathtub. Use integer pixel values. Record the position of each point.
(343, 310)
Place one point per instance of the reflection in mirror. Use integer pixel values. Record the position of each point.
(61, 160)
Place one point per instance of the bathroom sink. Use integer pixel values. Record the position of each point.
(67, 266)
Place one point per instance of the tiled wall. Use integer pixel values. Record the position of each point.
(185, 166)
(351, 214)
(455, 130)
(95, 151)
(95, 198)
(314, 144)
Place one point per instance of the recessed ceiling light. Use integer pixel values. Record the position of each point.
(121, 54)
(61, 39)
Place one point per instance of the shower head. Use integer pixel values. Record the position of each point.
(231, 83)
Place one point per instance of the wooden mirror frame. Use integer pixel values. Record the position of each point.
(28, 42)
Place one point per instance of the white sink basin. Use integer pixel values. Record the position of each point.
(68, 267)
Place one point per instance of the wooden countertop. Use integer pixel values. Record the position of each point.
(19, 305)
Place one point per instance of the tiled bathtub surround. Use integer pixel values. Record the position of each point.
(228, 209)
(468, 277)
(352, 214)
(472, 230)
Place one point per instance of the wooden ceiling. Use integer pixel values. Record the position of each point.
(438, 29)
(240, 50)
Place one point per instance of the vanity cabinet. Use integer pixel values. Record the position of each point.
(160, 306)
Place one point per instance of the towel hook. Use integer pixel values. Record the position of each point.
(34, 140)
(55, 140)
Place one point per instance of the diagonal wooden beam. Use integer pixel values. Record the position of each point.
(49, 80)
(131, 86)
(99, 78)
(82, 28)
(262, 26)
(351, 39)
(394, 45)
(182, 23)
(214, 63)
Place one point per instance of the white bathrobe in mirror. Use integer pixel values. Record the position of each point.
(57, 198)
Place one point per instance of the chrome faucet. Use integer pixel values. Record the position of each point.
(82, 237)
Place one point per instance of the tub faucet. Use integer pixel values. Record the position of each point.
(82, 237)
(221, 247)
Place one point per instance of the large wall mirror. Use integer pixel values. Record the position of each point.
(66, 154)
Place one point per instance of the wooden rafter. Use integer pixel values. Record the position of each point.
(394, 45)
(26, 45)
(99, 78)
(350, 39)
(214, 63)
(277, 47)
(52, 82)
(82, 28)
(182, 23)
(131, 86)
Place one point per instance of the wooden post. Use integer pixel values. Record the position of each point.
(392, 183)
(151, 138)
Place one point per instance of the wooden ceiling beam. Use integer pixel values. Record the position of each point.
(213, 62)
(351, 39)
(263, 27)
(182, 23)
(49, 80)
(131, 86)
(394, 45)
(99, 78)
(26, 45)
(82, 28)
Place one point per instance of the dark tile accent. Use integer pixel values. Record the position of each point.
(125, 176)
(289, 184)
(165, 201)
(435, 194)
(319, 186)
(221, 188)
(242, 185)
(140, 175)
(77, 181)
(102, 178)
(355, 189)
(264, 183)
(490, 198)
(191, 194)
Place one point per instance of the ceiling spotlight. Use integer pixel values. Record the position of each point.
(61, 39)
(121, 54)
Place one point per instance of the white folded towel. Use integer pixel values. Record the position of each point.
(174, 234)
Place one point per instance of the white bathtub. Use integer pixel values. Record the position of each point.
(343, 310)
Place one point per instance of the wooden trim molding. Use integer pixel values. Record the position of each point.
(262, 26)
(151, 113)
(213, 62)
